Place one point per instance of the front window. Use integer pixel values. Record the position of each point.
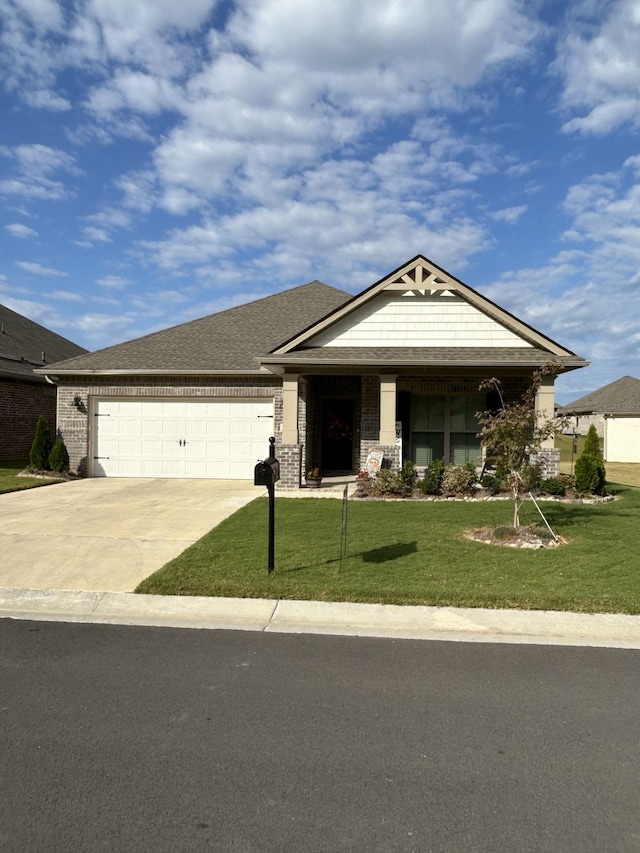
(445, 427)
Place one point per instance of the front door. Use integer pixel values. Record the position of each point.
(337, 436)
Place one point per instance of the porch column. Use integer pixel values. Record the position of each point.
(290, 408)
(545, 407)
(388, 409)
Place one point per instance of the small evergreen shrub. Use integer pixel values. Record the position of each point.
(459, 479)
(431, 484)
(41, 446)
(590, 473)
(553, 486)
(408, 475)
(491, 483)
(59, 457)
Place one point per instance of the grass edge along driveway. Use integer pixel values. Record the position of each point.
(415, 552)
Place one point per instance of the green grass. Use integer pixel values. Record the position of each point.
(10, 482)
(416, 553)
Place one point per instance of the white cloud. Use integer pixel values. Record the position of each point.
(38, 269)
(67, 296)
(17, 229)
(34, 165)
(113, 282)
(599, 62)
(509, 214)
(45, 99)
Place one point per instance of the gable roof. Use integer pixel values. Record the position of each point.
(25, 345)
(226, 342)
(522, 346)
(621, 397)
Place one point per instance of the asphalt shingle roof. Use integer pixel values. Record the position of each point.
(445, 356)
(23, 343)
(230, 340)
(619, 397)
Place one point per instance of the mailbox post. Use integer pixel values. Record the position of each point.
(267, 473)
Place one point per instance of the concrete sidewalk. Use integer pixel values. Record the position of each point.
(315, 617)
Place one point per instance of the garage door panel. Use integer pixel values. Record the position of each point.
(184, 438)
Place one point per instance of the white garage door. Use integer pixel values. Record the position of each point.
(215, 439)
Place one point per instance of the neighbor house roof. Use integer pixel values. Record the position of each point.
(25, 345)
(621, 397)
(226, 342)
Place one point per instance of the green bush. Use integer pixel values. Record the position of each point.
(388, 482)
(59, 457)
(431, 484)
(41, 446)
(531, 474)
(590, 473)
(459, 479)
(492, 483)
(553, 486)
(408, 475)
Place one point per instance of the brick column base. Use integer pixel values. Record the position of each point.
(290, 457)
(549, 461)
(391, 454)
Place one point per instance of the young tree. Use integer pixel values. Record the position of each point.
(41, 447)
(591, 475)
(513, 433)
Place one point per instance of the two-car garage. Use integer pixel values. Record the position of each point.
(210, 438)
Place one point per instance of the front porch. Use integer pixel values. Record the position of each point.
(333, 421)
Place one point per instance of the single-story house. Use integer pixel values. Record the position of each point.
(24, 346)
(615, 411)
(331, 376)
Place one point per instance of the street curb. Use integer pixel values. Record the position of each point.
(319, 617)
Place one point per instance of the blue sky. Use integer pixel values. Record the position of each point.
(162, 160)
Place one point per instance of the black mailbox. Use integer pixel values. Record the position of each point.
(266, 473)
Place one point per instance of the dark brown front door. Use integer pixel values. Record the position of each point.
(337, 436)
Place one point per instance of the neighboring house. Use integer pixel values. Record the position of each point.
(25, 345)
(615, 411)
(332, 376)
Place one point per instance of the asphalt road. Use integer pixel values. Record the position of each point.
(154, 739)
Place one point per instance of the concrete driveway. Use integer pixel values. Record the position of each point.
(107, 534)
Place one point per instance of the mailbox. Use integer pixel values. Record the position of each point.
(267, 472)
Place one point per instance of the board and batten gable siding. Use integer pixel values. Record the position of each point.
(442, 319)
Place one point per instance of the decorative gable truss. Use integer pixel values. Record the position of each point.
(421, 306)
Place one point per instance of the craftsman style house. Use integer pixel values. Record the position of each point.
(332, 376)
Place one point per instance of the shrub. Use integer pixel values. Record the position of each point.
(531, 474)
(431, 484)
(59, 457)
(41, 447)
(553, 486)
(408, 475)
(492, 483)
(590, 473)
(459, 479)
(388, 482)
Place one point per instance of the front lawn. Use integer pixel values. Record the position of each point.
(415, 552)
(11, 482)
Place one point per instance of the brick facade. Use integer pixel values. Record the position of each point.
(21, 403)
(74, 401)
(75, 408)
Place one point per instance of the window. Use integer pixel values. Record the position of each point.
(445, 427)
(427, 428)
